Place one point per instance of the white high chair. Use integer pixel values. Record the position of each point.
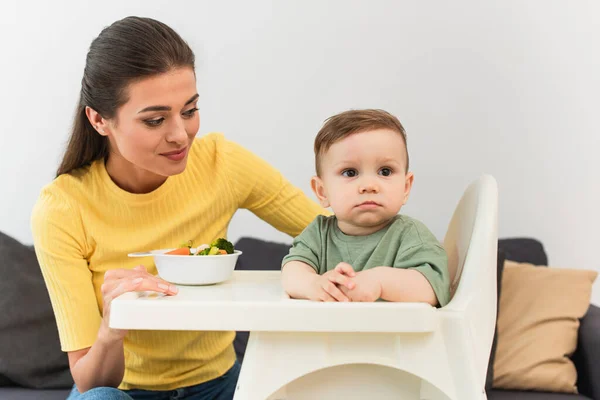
(403, 350)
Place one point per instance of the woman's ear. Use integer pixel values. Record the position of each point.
(99, 123)
(318, 188)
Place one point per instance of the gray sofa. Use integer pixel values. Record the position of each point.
(33, 367)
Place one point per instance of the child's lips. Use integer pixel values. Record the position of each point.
(369, 204)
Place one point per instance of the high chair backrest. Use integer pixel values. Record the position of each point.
(471, 243)
(475, 212)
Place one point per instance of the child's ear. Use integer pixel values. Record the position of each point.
(316, 184)
(410, 177)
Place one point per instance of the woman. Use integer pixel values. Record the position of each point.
(134, 177)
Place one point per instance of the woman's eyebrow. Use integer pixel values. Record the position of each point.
(167, 108)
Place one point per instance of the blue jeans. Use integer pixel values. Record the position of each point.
(221, 388)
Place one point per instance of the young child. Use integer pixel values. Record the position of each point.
(365, 251)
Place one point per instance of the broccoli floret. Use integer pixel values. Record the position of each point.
(204, 252)
(223, 244)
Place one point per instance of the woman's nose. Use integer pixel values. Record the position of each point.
(177, 133)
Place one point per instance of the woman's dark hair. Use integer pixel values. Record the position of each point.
(126, 51)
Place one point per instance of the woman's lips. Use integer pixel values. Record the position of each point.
(176, 155)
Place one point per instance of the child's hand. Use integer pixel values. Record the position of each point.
(367, 287)
(342, 275)
(327, 287)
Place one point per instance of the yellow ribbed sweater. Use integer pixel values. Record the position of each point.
(84, 225)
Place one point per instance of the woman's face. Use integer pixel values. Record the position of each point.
(153, 131)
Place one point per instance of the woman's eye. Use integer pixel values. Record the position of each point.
(154, 122)
(349, 173)
(190, 113)
(385, 171)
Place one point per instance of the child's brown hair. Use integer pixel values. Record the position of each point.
(350, 122)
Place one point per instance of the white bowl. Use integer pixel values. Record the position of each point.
(192, 270)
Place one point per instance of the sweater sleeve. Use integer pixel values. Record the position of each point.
(60, 247)
(262, 189)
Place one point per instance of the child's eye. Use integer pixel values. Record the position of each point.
(349, 173)
(154, 122)
(385, 171)
(190, 113)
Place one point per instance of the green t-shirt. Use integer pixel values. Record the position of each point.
(405, 243)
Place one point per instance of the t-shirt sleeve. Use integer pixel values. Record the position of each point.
(60, 247)
(306, 247)
(262, 189)
(429, 259)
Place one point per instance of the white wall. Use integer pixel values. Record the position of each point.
(509, 88)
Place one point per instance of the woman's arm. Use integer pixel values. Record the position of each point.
(95, 350)
(103, 364)
(262, 189)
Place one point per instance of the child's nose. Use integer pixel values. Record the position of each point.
(368, 187)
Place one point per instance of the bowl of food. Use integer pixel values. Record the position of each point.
(206, 264)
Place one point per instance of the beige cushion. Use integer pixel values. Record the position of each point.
(538, 322)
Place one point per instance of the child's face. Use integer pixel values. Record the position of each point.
(363, 180)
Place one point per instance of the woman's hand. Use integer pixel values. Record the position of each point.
(119, 281)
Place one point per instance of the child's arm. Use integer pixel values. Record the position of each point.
(301, 281)
(391, 284)
(404, 285)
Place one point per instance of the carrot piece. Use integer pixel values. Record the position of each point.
(221, 251)
(182, 251)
